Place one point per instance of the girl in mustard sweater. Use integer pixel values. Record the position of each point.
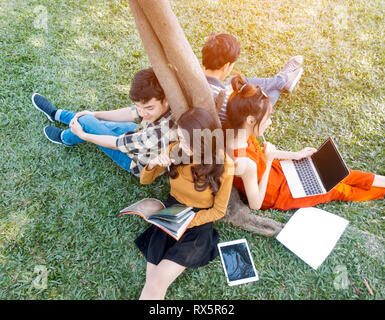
(204, 183)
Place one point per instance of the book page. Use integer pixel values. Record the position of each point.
(174, 212)
(173, 229)
(146, 207)
(311, 234)
(172, 225)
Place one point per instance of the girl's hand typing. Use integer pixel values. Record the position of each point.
(304, 153)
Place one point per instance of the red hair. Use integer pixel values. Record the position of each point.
(245, 100)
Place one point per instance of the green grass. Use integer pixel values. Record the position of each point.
(59, 206)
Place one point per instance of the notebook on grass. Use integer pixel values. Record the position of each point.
(311, 234)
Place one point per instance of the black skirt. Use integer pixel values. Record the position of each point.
(196, 248)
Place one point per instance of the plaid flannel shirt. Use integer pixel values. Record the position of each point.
(145, 143)
(217, 86)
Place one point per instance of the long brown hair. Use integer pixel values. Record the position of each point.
(203, 174)
(245, 100)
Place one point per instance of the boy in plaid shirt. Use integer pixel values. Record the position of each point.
(117, 132)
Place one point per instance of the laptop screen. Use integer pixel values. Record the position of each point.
(329, 164)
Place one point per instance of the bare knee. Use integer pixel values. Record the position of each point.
(154, 288)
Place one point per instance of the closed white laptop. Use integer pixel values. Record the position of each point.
(317, 174)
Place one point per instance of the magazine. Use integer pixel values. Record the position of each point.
(173, 220)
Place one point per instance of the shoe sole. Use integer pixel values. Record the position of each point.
(295, 81)
(35, 105)
(53, 141)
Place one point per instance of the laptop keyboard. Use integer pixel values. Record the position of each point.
(306, 175)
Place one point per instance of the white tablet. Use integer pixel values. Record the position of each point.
(237, 262)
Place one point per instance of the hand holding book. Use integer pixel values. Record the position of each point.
(173, 220)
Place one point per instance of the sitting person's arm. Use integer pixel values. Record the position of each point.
(154, 168)
(221, 200)
(157, 165)
(100, 140)
(128, 114)
(247, 170)
(290, 155)
(120, 115)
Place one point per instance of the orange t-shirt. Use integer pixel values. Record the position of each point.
(276, 177)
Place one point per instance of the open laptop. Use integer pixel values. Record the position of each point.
(317, 174)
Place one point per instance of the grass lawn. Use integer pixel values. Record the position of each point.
(59, 206)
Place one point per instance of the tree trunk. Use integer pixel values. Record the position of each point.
(179, 54)
(240, 215)
(165, 74)
(185, 84)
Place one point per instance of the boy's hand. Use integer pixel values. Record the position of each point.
(76, 128)
(82, 113)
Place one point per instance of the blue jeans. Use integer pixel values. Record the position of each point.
(271, 86)
(92, 125)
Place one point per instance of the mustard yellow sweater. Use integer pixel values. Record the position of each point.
(182, 189)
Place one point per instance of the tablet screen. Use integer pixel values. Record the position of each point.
(238, 263)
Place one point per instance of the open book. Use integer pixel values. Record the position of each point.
(173, 220)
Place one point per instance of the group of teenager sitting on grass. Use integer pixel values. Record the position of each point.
(202, 183)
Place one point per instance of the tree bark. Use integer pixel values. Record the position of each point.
(240, 215)
(165, 74)
(179, 54)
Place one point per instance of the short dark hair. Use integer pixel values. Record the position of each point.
(220, 49)
(145, 86)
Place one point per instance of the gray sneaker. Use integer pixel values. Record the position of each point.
(293, 70)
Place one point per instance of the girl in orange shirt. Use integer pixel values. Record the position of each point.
(258, 173)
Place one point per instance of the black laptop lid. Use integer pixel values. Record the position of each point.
(329, 164)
